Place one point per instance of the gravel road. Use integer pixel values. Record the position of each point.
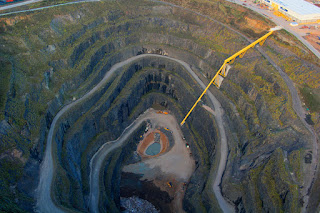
(44, 201)
(18, 4)
(94, 174)
(41, 8)
(296, 102)
(279, 21)
(157, 120)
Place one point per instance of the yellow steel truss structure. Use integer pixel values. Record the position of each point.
(223, 71)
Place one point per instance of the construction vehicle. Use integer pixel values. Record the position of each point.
(304, 27)
(162, 112)
(224, 69)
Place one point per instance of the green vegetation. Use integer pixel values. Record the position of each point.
(61, 189)
(276, 181)
(311, 98)
(295, 164)
(223, 11)
(10, 172)
(112, 168)
(253, 184)
(4, 82)
(288, 56)
(106, 180)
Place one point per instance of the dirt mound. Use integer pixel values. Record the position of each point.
(256, 25)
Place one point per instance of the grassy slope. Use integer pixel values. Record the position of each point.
(4, 82)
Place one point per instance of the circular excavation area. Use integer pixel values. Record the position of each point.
(158, 177)
(153, 149)
(153, 145)
(97, 93)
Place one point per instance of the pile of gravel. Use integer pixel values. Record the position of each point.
(135, 204)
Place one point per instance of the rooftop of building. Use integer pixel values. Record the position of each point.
(299, 6)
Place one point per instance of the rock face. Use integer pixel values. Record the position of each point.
(269, 148)
(140, 86)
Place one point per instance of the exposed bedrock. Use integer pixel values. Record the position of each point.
(269, 148)
(111, 112)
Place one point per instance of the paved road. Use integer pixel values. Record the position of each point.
(279, 21)
(42, 8)
(18, 4)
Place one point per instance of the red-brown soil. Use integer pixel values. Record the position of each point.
(148, 140)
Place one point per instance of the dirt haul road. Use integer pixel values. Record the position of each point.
(174, 165)
(296, 102)
(182, 168)
(44, 201)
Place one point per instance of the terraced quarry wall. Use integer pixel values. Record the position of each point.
(54, 57)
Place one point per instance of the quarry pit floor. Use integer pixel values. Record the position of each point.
(169, 171)
(174, 166)
(44, 201)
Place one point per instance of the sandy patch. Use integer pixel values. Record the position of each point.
(314, 40)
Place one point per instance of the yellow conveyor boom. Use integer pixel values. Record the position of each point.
(230, 60)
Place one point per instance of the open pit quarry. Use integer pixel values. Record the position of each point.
(93, 94)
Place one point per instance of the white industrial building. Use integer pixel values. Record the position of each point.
(296, 10)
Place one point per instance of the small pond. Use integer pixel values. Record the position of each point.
(153, 149)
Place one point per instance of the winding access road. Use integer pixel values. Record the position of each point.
(18, 4)
(44, 201)
(40, 8)
(296, 102)
(97, 160)
(279, 21)
(95, 169)
(297, 106)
